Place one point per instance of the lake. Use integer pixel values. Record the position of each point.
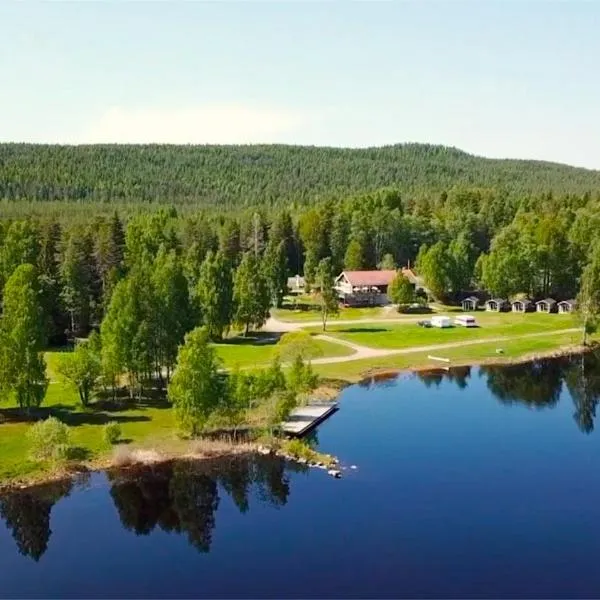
(469, 483)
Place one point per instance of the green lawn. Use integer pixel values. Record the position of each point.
(239, 352)
(400, 335)
(474, 354)
(313, 314)
(62, 401)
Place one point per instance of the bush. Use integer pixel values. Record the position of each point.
(50, 440)
(112, 433)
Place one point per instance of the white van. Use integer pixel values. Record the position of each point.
(441, 322)
(466, 321)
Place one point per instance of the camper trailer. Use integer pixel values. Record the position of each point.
(441, 322)
(465, 321)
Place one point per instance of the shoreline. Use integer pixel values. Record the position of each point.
(146, 455)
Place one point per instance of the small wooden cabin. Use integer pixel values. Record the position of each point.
(567, 306)
(522, 306)
(470, 303)
(547, 305)
(496, 305)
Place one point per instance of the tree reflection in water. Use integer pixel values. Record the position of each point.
(535, 384)
(27, 515)
(184, 496)
(434, 377)
(583, 382)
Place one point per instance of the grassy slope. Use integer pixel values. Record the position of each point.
(390, 336)
(243, 354)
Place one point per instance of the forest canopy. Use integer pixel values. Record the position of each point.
(233, 176)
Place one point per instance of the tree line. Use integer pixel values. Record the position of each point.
(237, 176)
(143, 281)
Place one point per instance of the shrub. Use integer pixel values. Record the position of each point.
(49, 439)
(112, 433)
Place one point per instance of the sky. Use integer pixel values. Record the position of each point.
(499, 79)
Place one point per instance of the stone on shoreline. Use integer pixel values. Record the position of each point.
(334, 473)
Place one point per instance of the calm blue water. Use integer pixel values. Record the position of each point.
(476, 483)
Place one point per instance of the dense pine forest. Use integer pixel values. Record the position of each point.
(274, 175)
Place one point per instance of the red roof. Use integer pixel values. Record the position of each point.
(369, 278)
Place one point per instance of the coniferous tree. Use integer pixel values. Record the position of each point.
(250, 294)
(77, 280)
(275, 268)
(214, 293)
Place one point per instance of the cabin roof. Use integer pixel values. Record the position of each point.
(368, 278)
(470, 299)
(546, 301)
(496, 300)
(521, 301)
(571, 301)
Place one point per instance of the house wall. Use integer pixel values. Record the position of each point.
(365, 299)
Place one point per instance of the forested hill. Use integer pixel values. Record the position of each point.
(234, 175)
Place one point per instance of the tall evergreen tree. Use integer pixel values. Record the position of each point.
(275, 268)
(250, 293)
(214, 293)
(77, 280)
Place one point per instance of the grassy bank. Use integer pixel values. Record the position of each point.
(150, 424)
(512, 350)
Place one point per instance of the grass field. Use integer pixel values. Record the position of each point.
(62, 401)
(148, 421)
(474, 354)
(399, 335)
(243, 353)
(314, 314)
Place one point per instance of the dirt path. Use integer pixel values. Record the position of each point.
(361, 352)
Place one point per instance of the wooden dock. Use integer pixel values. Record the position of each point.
(304, 418)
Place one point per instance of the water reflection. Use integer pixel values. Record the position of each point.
(535, 384)
(27, 516)
(183, 497)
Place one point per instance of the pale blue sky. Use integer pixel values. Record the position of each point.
(503, 79)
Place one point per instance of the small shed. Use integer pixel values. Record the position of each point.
(296, 285)
(522, 305)
(495, 305)
(470, 303)
(567, 306)
(547, 305)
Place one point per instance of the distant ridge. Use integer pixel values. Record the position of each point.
(255, 174)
